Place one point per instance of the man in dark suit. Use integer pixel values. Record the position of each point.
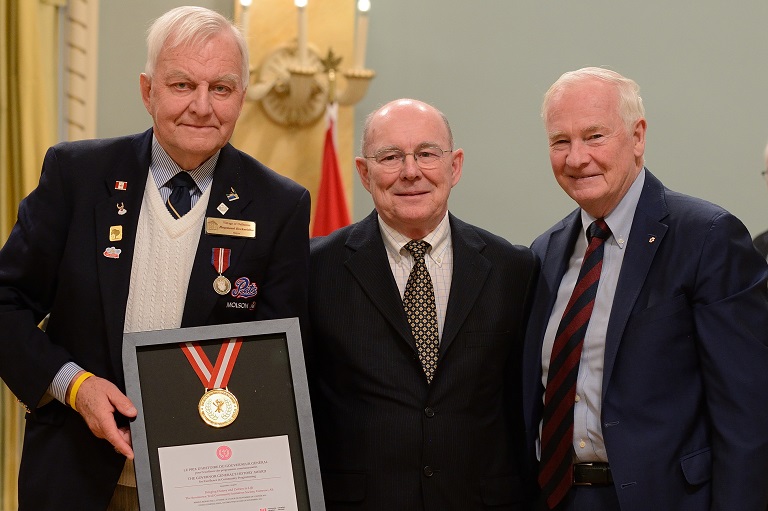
(96, 247)
(761, 240)
(415, 379)
(664, 405)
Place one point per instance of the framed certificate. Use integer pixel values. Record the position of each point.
(224, 419)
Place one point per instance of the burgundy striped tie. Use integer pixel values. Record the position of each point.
(556, 468)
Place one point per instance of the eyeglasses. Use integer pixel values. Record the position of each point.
(763, 173)
(427, 157)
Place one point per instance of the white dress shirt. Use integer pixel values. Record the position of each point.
(439, 261)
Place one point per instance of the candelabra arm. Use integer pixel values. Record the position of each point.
(257, 91)
(294, 92)
(289, 91)
(358, 81)
(301, 86)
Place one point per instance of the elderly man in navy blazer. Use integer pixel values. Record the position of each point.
(415, 377)
(105, 244)
(646, 358)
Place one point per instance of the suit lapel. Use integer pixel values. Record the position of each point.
(369, 265)
(557, 251)
(553, 266)
(470, 270)
(645, 238)
(201, 298)
(113, 267)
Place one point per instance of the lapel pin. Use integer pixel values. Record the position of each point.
(112, 253)
(116, 233)
(651, 239)
(121, 209)
(232, 195)
(121, 185)
(222, 208)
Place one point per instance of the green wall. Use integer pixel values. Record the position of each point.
(487, 63)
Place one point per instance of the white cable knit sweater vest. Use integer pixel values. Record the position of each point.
(162, 262)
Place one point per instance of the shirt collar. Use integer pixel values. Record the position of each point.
(163, 167)
(620, 219)
(439, 240)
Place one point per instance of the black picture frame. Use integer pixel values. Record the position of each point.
(269, 380)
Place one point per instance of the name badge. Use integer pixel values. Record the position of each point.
(230, 227)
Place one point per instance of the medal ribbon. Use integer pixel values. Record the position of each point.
(213, 377)
(220, 259)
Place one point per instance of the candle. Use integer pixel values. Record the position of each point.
(302, 35)
(244, 19)
(363, 6)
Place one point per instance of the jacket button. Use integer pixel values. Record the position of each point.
(429, 412)
(428, 471)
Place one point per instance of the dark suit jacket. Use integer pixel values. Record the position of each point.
(761, 243)
(685, 399)
(54, 262)
(386, 439)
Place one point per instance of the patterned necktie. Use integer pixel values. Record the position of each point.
(419, 304)
(180, 202)
(556, 468)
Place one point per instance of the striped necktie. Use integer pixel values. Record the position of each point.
(556, 468)
(180, 201)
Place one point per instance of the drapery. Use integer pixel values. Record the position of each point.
(28, 126)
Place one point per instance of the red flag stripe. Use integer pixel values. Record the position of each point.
(331, 211)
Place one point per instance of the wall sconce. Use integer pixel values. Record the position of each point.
(295, 83)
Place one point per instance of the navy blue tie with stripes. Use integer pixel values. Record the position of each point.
(556, 468)
(180, 201)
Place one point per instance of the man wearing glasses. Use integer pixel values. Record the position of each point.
(417, 321)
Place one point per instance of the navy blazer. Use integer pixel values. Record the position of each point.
(685, 383)
(387, 439)
(761, 243)
(54, 261)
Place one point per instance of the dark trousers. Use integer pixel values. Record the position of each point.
(589, 498)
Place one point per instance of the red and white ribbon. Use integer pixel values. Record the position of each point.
(213, 376)
(220, 259)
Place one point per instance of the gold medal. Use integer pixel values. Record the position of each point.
(222, 285)
(218, 408)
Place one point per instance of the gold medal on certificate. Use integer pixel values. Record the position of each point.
(220, 261)
(218, 407)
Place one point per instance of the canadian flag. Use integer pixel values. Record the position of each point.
(331, 211)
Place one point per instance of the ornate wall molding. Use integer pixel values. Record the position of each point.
(81, 40)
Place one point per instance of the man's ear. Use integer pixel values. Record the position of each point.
(145, 83)
(362, 169)
(457, 164)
